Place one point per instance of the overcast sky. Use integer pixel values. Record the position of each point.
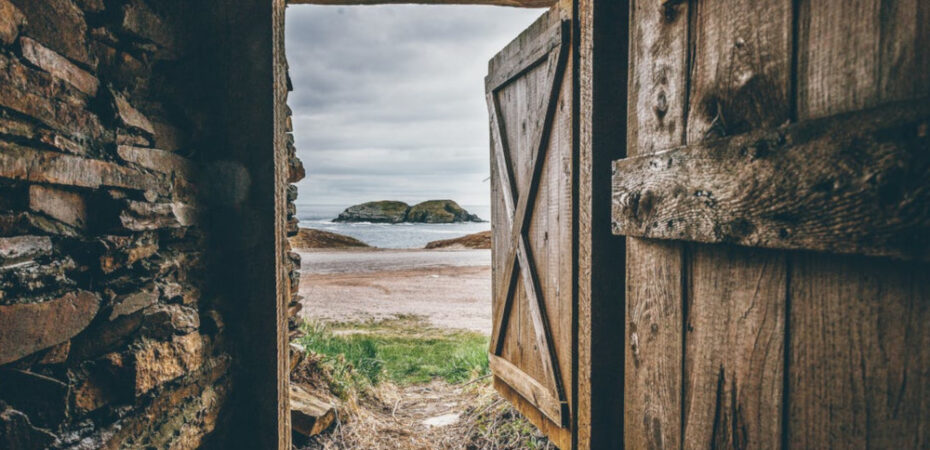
(388, 101)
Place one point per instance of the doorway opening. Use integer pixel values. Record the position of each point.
(392, 227)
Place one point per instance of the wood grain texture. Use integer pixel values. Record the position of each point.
(867, 53)
(561, 437)
(859, 356)
(531, 47)
(734, 333)
(734, 348)
(778, 348)
(600, 111)
(739, 78)
(529, 388)
(653, 355)
(656, 121)
(280, 182)
(531, 140)
(517, 107)
(855, 183)
(837, 57)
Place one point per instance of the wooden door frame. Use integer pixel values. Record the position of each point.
(248, 155)
(601, 60)
(599, 103)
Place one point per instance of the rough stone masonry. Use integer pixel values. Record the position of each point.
(110, 333)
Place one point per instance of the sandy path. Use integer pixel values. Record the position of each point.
(450, 288)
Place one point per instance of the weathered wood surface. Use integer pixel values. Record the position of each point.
(251, 224)
(734, 342)
(560, 436)
(534, 47)
(653, 355)
(871, 52)
(516, 3)
(857, 360)
(531, 147)
(856, 183)
(517, 217)
(530, 389)
(654, 293)
(310, 415)
(602, 68)
(736, 347)
(740, 71)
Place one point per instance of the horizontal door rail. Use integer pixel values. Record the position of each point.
(855, 183)
(532, 390)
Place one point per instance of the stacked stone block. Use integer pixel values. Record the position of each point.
(108, 335)
(296, 173)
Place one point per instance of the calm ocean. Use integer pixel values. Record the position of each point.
(402, 235)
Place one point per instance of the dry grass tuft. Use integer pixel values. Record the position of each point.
(388, 415)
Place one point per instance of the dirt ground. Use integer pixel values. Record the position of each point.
(425, 416)
(433, 416)
(450, 288)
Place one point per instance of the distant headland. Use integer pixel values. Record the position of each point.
(388, 211)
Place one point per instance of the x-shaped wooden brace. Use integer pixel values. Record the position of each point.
(519, 257)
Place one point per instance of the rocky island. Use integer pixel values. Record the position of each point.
(309, 238)
(432, 211)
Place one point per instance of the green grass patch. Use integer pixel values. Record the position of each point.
(404, 351)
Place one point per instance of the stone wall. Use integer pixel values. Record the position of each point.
(111, 334)
(295, 173)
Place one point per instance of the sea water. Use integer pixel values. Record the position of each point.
(384, 235)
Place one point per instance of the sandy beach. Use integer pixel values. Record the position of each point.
(450, 288)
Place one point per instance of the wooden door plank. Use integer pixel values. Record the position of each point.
(505, 189)
(529, 388)
(734, 350)
(869, 52)
(656, 121)
(740, 74)
(653, 364)
(853, 183)
(561, 235)
(557, 434)
(542, 333)
(532, 49)
(516, 216)
(858, 350)
(840, 72)
(904, 50)
(733, 364)
(518, 107)
(859, 362)
(519, 227)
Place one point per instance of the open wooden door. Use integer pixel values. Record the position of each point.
(775, 196)
(529, 93)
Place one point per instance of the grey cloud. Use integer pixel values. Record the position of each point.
(389, 100)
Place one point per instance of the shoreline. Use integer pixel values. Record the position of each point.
(316, 239)
(449, 288)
